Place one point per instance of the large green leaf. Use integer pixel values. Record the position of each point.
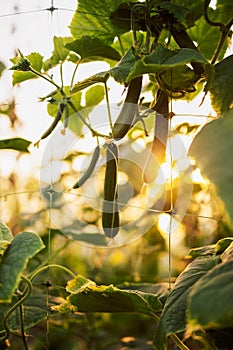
(162, 59)
(36, 62)
(206, 37)
(23, 247)
(89, 48)
(211, 303)
(15, 143)
(173, 318)
(212, 149)
(221, 89)
(92, 18)
(86, 296)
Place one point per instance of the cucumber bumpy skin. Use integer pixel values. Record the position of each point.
(90, 168)
(125, 119)
(110, 213)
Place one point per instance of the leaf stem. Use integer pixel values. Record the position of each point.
(44, 77)
(108, 106)
(61, 75)
(178, 342)
(73, 75)
(94, 132)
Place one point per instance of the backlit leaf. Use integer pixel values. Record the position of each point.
(221, 89)
(212, 149)
(86, 296)
(162, 59)
(93, 18)
(92, 48)
(36, 62)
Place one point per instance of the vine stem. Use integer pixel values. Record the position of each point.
(44, 77)
(108, 105)
(74, 72)
(44, 268)
(22, 327)
(223, 28)
(178, 342)
(26, 293)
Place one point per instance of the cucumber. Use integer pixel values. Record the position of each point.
(110, 213)
(125, 119)
(90, 168)
(55, 121)
(158, 150)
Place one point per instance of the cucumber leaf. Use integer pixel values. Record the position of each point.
(212, 149)
(23, 247)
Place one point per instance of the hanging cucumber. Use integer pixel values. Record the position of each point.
(55, 121)
(158, 150)
(110, 213)
(125, 119)
(90, 168)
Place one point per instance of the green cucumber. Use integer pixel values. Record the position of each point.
(125, 119)
(90, 168)
(158, 150)
(55, 121)
(110, 213)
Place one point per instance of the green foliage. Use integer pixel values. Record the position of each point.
(23, 247)
(216, 162)
(221, 92)
(216, 287)
(86, 296)
(15, 143)
(180, 47)
(2, 67)
(22, 67)
(173, 318)
(89, 48)
(93, 17)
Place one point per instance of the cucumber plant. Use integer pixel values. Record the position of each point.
(160, 43)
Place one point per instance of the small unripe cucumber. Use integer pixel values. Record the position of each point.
(55, 121)
(125, 118)
(110, 213)
(90, 168)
